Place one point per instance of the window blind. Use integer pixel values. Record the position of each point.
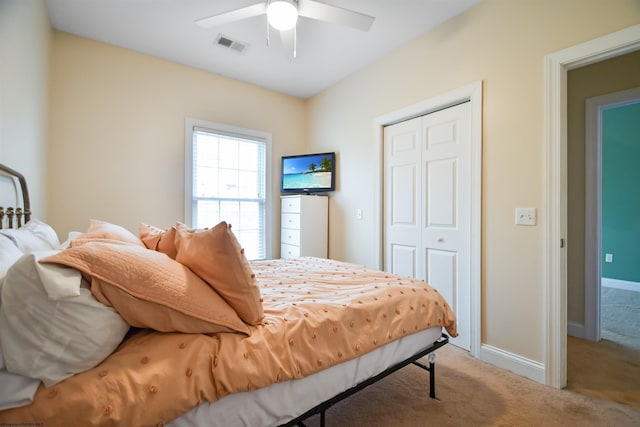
(229, 184)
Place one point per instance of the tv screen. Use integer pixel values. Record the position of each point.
(308, 173)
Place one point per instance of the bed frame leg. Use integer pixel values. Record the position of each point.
(432, 375)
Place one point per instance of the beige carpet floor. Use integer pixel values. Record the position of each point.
(605, 370)
(471, 393)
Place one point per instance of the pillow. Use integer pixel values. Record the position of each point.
(106, 232)
(35, 235)
(53, 338)
(16, 390)
(73, 235)
(216, 256)
(158, 239)
(9, 254)
(150, 290)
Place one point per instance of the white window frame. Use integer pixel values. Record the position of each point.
(192, 124)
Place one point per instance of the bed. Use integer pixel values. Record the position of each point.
(179, 329)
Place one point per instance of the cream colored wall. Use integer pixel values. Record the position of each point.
(25, 35)
(503, 43)
(117, 132)
(601, 78)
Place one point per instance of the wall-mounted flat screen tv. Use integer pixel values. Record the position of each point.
(308, 173)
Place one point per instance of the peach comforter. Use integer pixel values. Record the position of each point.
(318, 313)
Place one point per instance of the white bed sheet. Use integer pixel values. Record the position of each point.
(282, 402)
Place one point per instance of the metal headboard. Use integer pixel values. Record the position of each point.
(15, 216)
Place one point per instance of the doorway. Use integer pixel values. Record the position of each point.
(612, 257)
(556, 67)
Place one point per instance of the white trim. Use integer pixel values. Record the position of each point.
(617, 99)
(189, 125)
(593, 202)
(621, 284)
(473, 94)
(555, 113)
(512, 362)
(576, 330)
(592, 215)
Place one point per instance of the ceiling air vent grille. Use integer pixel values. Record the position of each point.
(228, 43)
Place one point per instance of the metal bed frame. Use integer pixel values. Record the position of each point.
(21, 215)
(431, 368)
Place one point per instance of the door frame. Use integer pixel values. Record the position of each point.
(555, 228)
(593, 203)
(473, 94)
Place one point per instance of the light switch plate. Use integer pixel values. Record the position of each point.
(525, 216)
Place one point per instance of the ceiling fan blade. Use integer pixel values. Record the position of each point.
(233, 15)
(337, 15)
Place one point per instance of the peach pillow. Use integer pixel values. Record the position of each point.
(105, 232)
(149, 289)
(216, 256)
(158, 239)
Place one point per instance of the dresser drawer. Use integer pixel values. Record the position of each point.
(291, 220)
(289, 251)
(291, 204)
(290, 236)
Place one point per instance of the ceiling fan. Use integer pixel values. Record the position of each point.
(283, 15)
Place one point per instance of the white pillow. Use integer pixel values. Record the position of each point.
(52, 339)
(73, 235)
(9, 253)
(16, 390)
(35, 235)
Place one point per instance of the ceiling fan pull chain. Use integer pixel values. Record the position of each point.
(295, 42)
(267, 21)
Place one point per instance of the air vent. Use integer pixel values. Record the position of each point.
(228, 43)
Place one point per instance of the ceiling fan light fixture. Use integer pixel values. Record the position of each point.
(282, 14)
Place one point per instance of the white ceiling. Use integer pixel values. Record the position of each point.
(326, 52)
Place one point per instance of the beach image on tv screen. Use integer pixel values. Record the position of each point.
(307, 172)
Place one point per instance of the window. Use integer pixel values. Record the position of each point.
(226, 177)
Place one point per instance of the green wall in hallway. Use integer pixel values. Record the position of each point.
(621, 192)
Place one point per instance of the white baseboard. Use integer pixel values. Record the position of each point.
(512, 362)
(576, 330)
(620, 284)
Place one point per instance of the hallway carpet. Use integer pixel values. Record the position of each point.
(620, 316)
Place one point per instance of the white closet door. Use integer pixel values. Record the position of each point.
(402, 187)
(428, 206)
